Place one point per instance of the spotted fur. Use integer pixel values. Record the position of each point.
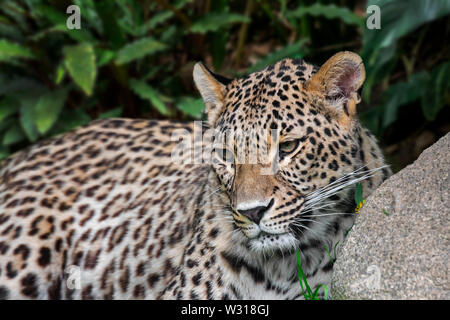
(107, 203)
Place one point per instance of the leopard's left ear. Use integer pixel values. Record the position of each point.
(339, 80)
(212, 88)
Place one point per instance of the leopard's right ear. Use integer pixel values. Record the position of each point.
(212, 88)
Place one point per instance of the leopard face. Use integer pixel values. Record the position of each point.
(284, 137)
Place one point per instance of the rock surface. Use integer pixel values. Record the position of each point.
(403, 255)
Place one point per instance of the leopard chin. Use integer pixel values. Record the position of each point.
(267, 243)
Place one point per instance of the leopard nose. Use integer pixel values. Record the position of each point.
(256, 213)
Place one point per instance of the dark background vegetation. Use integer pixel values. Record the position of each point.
(134, 58)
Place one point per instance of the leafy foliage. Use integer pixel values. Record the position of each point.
(215, 21)
(330, 11)
(380, 52)
(306, 291)
(295, 50)
(143, 90)
(134, 58)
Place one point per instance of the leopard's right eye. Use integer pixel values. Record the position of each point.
(224, 155)
(288, 147)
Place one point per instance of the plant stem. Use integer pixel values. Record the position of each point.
(409, 63)
(243, 33)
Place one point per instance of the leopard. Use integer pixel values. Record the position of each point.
(120, 209)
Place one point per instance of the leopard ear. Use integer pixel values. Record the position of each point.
(212, 88)
(339, 80)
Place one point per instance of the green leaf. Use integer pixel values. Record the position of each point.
(114, 113)
(59, 18)
(436, 94)
(294, 50)
(43, 33)
(6, 123)
(48, 109)
(218, 49)
(69, 119)
(10, 50)
(27, 115)
(371, 119)
(50, 13)
(132, 16)
(216, 21)
(104, 56)
(9, 30)
(170, 35)
(380, 69)
(8, 106)
(398, 18)
(13, 135)
(178, 4)
(16, 12)
(89, 14)
(158, 18)
(402, 93)
(107, 11)
(60, 73)
(79, 61)
(4, 152)
(358, 193)
(139, 49)
(191, 106)
(330, 11)
(146, 92)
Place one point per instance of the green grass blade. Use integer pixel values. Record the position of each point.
(303, 276)
(358, 193)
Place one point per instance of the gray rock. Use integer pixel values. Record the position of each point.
(404, 255)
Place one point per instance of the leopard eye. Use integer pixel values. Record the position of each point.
(224, 155)
(288, 147)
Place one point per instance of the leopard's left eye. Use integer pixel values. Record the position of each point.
(288, 147)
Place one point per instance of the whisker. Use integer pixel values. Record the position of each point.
(212, 193)
(312, 220)
(331, 214)
(309, 229)
(365, 173)
(311, 208)
(325, 192)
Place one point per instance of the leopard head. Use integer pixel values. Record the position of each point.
(283, 134)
